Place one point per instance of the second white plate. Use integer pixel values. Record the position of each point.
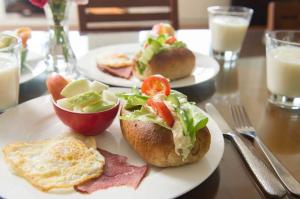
(206, 67)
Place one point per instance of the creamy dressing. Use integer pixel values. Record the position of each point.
(183, 144)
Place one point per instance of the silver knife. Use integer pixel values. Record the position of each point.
(264, 176)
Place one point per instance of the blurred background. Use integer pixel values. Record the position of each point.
(191, 13)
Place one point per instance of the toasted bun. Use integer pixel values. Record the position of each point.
(155, 143)
(173, 64)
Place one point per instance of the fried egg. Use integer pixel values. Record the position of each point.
(118, 60)
(55, 163)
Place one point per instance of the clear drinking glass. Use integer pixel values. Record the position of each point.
(9, 71)
(283, 68)
(228, 27)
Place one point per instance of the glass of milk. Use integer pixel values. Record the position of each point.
(283, 68)
(228, 27)
(9, 71)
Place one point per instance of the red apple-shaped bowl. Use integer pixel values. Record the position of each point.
(87, 123)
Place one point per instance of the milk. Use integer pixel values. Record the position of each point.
(283, 71)
(227, 32)
(9, 83)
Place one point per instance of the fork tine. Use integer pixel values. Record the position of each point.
(245, 115)
(241, 116)
(235, 116)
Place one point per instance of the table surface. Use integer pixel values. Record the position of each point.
(243, 82)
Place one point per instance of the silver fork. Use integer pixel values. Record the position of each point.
(243, 126)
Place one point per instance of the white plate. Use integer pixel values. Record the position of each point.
(206, 69)
(33, 67)
(37, 120)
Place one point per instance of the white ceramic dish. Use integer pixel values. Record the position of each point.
(15, 125)
(206, 67)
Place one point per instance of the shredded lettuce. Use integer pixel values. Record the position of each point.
(144, 115)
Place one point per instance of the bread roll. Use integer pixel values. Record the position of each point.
(155, 143)
(175, 63)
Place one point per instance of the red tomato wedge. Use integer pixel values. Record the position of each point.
(55, 84)
(162, 111)
(156, 84)
(171, 40)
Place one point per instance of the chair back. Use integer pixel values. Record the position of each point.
(283, 15)
(126, 15)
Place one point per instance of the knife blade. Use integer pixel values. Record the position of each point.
(267, 180)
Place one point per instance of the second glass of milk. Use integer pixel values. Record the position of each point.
(228, 27)
(283, 68)
(9, 71)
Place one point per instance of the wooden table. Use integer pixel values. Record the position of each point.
(244, 82)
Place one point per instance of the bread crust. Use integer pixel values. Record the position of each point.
(173, 64)
(155, 143)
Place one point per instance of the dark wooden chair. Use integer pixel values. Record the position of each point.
(283, 15)
(126, 15)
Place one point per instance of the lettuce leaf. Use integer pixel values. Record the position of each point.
(133, 99)
(196, 119)
(178, 44)
(144, 115)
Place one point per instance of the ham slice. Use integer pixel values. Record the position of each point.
(123, 72)
(117, 172)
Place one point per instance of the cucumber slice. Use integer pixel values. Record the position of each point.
(64, 103)
(109, 97)
(98, 86)
(84, 99)
(97, 107)
(75, 87)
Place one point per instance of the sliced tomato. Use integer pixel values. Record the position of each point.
(163, 28)
(55, 84)
(156, 84)
(162, 111)
(171, 40)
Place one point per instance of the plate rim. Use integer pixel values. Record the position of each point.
(38, 65)
(213, 123)
(82, 70)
